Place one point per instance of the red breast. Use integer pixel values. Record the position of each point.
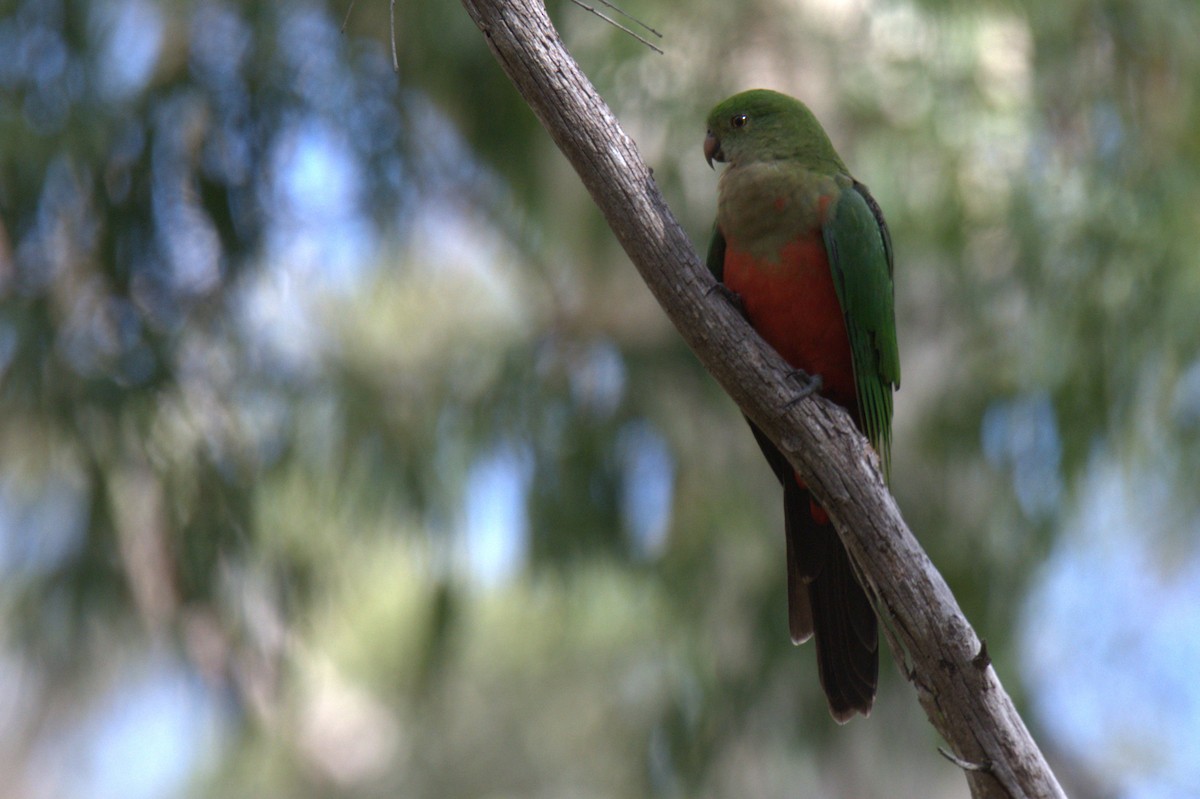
(793, 305)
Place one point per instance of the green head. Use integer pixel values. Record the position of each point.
(762, 125)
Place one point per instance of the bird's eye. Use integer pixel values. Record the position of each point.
(739, 120)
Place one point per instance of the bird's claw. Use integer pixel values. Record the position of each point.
(731, 296)
(809, 385)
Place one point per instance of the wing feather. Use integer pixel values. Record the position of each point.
(860, 255)
(716, 254)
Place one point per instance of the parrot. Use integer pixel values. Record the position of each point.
(802, 250)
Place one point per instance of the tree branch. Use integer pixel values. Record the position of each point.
(930, 638)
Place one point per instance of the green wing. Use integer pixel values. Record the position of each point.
(860, 256)
(716, 254)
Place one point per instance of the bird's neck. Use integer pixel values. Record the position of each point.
(764, 204)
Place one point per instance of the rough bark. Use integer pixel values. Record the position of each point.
(933, 644)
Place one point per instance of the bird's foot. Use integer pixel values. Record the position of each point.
(809, 385)
(731, 296)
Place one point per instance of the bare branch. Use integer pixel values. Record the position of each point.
(930, 638)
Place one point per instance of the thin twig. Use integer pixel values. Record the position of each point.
(627, 15)
(395, 58)
(618, 25)
(392, 18)
(346, 21)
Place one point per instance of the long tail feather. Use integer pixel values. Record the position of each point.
(825, 600)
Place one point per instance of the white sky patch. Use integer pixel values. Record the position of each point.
(497, 523)
(1006, 58)
(598, 377)
(450, 241)
(143, 740)
(41, 522)
(319, 242)
(132, 33)
(1020, 437)
(647, 487)
(1109, 635)
(319, 229)
(1185, 402)
(837, 15)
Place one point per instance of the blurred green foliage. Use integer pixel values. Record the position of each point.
(328, 387)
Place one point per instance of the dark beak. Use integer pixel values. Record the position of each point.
(712, 149)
